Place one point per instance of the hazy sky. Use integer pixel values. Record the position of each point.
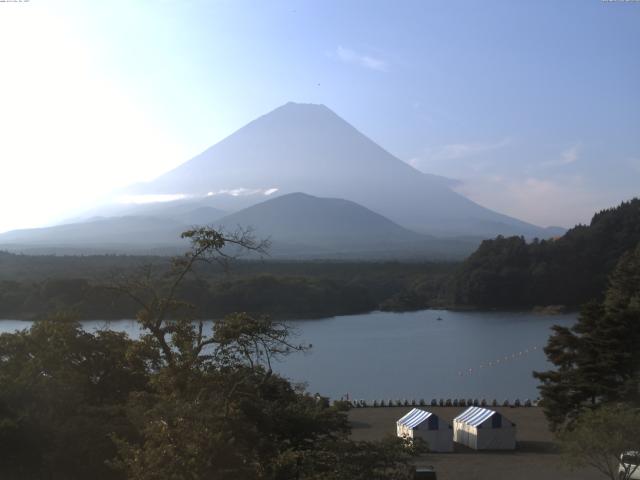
(533, 106)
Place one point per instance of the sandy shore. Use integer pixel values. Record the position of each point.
(535, 458)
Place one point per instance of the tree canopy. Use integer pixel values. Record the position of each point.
(182, 402)
(570, 270)
(606, 439)
(598, 359)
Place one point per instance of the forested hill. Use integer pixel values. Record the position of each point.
(34, 286)
(570, 270)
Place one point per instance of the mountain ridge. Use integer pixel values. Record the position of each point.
(299, 225)
(308, 148)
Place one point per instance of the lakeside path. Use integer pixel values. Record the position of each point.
(536, 456)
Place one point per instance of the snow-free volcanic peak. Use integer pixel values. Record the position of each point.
(307, 148)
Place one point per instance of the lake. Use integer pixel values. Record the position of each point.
(426, 354)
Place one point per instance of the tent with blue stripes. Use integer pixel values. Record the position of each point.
(484, 429)
(419, 423)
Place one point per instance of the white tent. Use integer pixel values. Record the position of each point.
(427, 426)
(484, 429)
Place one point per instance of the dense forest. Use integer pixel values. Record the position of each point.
(32, 286)
(591, 394)
(502, 273)
(569, 271)
(597, 360)
(75, 404)
(176, 403)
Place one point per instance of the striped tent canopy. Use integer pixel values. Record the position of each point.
(414, 418)
(474, 416)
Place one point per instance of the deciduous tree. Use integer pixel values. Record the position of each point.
(601, 437)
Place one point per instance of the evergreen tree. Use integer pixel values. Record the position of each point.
(598, 359)
(570, 270)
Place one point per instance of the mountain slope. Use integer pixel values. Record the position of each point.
(301, 218)
(308, 148)
(299, 226)
(115, 234)
(302, 225)
(199, 211)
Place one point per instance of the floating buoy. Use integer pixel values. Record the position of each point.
(492, 363)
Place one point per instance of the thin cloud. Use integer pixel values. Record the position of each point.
(462, 150)
(570, 155)
(488, 176)
(541, 201)
(242, 192)
(152, 198)
(352, 57)
(567, 157)
(441, 156)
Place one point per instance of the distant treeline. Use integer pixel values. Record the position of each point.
(80, 285)
(570, 270)
(506, 273)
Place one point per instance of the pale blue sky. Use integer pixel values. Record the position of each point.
(533, 106)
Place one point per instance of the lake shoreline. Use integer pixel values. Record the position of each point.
(411, 355)
(550, 310)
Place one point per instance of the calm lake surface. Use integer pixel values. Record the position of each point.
(382, 355)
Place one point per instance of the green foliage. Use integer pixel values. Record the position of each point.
(391, 458)
(224, 423)
(571, 270)
(600, 438)
(62, 392)
(598, 359)
(180, 403)
(278, 289)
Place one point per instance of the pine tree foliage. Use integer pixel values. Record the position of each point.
(598, 359)
(570, 270)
